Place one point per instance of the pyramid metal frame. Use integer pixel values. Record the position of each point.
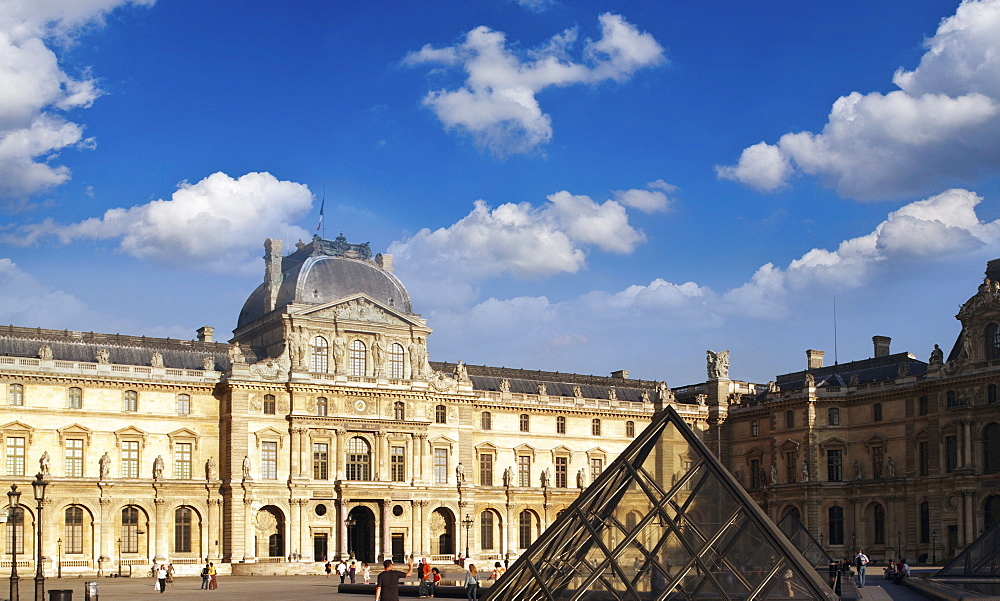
(803, 540)
(981, 559)
(725, 547)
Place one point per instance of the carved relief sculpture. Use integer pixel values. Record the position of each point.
(156, 360)
(236, 355)
(45, 353)
(208, 364)
(339, 354)
(718, 365)
(103, 356)
(378, 354)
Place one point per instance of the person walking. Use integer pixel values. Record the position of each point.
(472, 583)
(328, 568)
(424, 574)
(213, 579)
(860, 561)
(342, 570)
(366, 573)
(387, 583)
(161, 577)
(352, 571)
(170, 573)
(204, 578)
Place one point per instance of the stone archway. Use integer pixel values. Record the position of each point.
(270, 535)
(442, 532)
(361, 536)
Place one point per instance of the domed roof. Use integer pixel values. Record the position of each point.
(325, 271)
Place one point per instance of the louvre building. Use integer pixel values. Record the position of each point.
(323, 429)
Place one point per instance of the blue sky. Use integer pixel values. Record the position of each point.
(573, 186)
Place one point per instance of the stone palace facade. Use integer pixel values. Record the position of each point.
(322, 429)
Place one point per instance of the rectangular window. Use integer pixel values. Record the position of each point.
(441, 466)
(75, 398)
(397, 464)
(15, 456)
(789, 419)
(269, 460)
(524, 470)
(486, 530)
(321, 461)
(756, 474)
(833, 416)
(596, 467)
(130, 459)
(523, 422)
(923, 405)
(835, 465)
(270, 405)
(74, 458)
(754, 428)
(877, 412)
(560, 425)
(485, 469)
(486, 420)
(15, 394)
(790, 460)
(950, 453)
(131, 401)
(923, 458)
(182, 460)
(15, 529)
(562, 472)
(73, 530)
(878, 462)
(183, 404)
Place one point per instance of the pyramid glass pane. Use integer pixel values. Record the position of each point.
(980, 559)
(664, 520)
(803, 540)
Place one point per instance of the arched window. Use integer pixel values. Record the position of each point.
(925, 522)
(182, 529)
(270, 404)
(321, 406)
(595, 427)
(486, 527)
(878, 524)
(486, 420)
(791, 511)
(75, 398)
(992, 342)
(991, 511)
(525, 528)
(560, 425)
(358, 358)
(835, 525)
(399, 411)
(991, 449)
(73, 530)
(15, 394)
(523, 422)
(131, 401)
(358, 459)
(319, 359)
(630, 429)
(183, 404)
(130, 530)
(396, 361)
(440, 414)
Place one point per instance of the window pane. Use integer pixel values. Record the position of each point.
(321, 406)
(358, 459)
(15, 394)
(486, 530)
(270, 404)
(15, 456)
(75, 398)
(440, 414)
(269, 460)
(562, 472)
(523, 422)
(595, 427)
(397, 464)
(486, 469)
(486, 421)
(131, 400)
(560, 425)
(182, 530)
(399, 411)
(73, 530)
(834, 465)
(321, 461)
(74, 458)
(358, 358)
(130, 530)
(441, 466)
(596, 467)
(318, 359)
(182, 460)
(396, 361)
(523, 470)
(130, 459)
(183, 404)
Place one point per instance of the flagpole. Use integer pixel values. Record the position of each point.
(321, 227)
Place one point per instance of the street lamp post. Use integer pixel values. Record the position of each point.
(59, 558)
(933, 546)
(14, 496)
(351, 523)
(119, 558)
(38, 487)
(899, 547)
(467, 522)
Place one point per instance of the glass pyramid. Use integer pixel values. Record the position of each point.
(980, 559)
(804, 542)
(664, 521)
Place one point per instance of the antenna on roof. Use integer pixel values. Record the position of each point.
(835, 359)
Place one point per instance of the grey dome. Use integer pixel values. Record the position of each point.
(326, 271)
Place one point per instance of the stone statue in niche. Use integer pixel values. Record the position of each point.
(545, 478)
(158, 467)
(774, 474)
(156, 360)
(208, 364)
(718, 365)
(612, 394)
(542, 390)
(805, 472)
(418, 357)
(891, 468)
(246, 467)
(577, 392)
(43, 463)
(508, 476)
(579, 478)
(460, 473)
(645, 396)
(104, 465)
(45, 352)
(378, 353)
(857, 469)
(103, 356)
(210, 470)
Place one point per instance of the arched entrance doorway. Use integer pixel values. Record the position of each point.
(270, 525)
(442, 532)
(361, 534)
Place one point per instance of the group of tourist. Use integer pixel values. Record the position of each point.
(346, 571)
(387, 583)
(163, 574)
(894, 571)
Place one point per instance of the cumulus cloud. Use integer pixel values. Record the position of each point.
(218, 223)
(522, 240)
(497, 105)
(941, 125)
(658, 196)
(35, 90)
(25, 300)
(535, 5)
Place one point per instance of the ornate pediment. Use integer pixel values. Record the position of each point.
(183, 435)
(269, 433)
(360, 308)
(74, 431)
(18, 428)
(130, 433)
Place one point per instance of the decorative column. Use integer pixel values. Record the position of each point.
(378, 465)
(214, 534)
(296, 507)
(424, 453)
(967, 435)
(414, 456)
(107, 542)
(160, 545)
(510, 535)
(422, 528)
(249, 530)
(342, 529)
(340, 453)
(414, 544)
(386, 548)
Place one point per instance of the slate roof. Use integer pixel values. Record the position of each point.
(878, 369)
(68, 345)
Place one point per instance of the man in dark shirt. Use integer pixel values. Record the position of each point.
(387, 583)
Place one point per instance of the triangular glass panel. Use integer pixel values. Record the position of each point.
(795, 531)
(664, 520)
(980, 559)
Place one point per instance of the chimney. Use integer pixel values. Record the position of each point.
(205, 333)
(621, 373)
(881, 345)
(384, 261)
(272, 272)
(814, 359)
(993, 270)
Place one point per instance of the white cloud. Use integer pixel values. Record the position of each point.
(24, 300)
(497, 104)
(656, 197)
(942, 125)
(35, 90)
(535, 5)
(217, 223)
